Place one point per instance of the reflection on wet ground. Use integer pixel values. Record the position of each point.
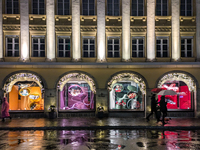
(99, 140)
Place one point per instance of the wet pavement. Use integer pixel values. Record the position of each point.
(100, 140)
(78, 123)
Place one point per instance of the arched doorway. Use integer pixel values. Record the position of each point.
(25, 92)
(127, 92)
(76, 92)
(185, 87)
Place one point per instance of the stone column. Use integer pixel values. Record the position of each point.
(24, 31)
(101, 51)
(50, 24)
(198, 29)
(151, 30)
(126, 30)
(175, 30)
(1, 32)
(76, 30)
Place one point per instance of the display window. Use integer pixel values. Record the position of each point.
(76, 93)
(126, 92)
(26, 96)
(183, 99)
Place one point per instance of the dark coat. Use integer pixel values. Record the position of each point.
(163, 105)
(153, 103)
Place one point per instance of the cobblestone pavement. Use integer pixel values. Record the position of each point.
(100, 140)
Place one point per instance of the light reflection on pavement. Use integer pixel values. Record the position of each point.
(99, 140)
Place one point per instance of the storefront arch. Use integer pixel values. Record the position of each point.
(24, 90)
(127, 91)
(185, 85)
(76, 91)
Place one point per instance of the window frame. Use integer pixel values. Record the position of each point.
(63, 37)
(185, 10)
(162, 9)
(161, 45)
(39, 50)
(185, 44)
(137, 45)
(38, 7)
(137, 11)
(18, 9)
(13, 44)
(113, 51)
(63, 12)
(88, 8)
(88, 51)
(112, 14)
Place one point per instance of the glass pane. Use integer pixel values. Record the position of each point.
(67, 47)
(16, 54)
(189, 47)
(165, 54)
(91, 47)
(134, 47)
(42, 47)
(116, 47)
(109, 54)
(9, 53)
(158, 41)
(85, 47)
(116, 41)
(67, 40)
(42, 53)
(60, 54)
(158, 47)
(35, 40)
(9, 40)
(140, 47)
(140, 54)
(85, 41)
(16, 47)
(109, 41)
(109, 47)
(182, 54)
(9, 46)
(189, 41)
(158, 54)
(116, 54)
(42, 41)
(134, 41)
(164, 41)
(16, 40)
(189, 54)
(35, 53)
(182, 47)
(85, 54)
(61, 47)
(164, 47)
(67, 54)
(35, 47)
(91, 54)
(134, 54)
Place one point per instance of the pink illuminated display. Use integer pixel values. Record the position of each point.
(183, 98)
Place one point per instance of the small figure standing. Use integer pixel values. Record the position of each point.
(163, 108)
(5, 110)
(153, 107)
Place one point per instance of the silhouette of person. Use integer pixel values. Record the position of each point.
(5, 109)
(153, 108)
(163, 108)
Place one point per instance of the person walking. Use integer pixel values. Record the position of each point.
(163, 108)
(5, 110)
(153, 108)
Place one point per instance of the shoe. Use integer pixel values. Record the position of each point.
(147, 119)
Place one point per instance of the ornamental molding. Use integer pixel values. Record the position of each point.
(138, 29)
(88, 29)
(37, 28)
(187, 29)
(113, 29)
(76, 76)
(178, 77)
(21, 77)
(63, 28)
(128, 77)
(163, 29)
(7, 27)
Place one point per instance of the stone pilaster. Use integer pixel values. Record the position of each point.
(126, 30)
(101, 99)
(76, 48)
(101, 51)
(175, 30)
(151, 30)
(50, 23)
(198, 29)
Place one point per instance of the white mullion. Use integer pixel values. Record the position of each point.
(63, 7)
(89, 47)
(64, 46)
(88, 8)
(12, 45)
(137, 7)
(38, 47)
(185, 47)
(113, 7)
(161, 7)
(38, 7)
(137, 47)
(113, 49)
(12, 7)
(185, 7)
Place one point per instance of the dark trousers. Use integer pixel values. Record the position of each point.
(156, 114)
(164, 114)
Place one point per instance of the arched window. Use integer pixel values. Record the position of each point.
(126, 92)
(76, 92)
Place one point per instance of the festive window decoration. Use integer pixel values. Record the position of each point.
(178, 77)
(21, 77)
(24, 92)
(76, 76)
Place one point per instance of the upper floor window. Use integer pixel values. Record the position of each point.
(162, 44)
(137, 8)
(88, 7)
(63, 7)
(88, 46)
(64, 46)
(186, 46)
(186, 8)
(38, 46)
(138, 47)
(12, 46)
(113, 7)
(38, 7)
(161, 7)
(12, 7)
(113, 46)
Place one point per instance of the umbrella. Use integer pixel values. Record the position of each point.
(167, 92)
(156, 90)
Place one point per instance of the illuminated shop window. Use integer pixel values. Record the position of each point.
(186, 8)
(137, 8)
(138, 47)
(38, 7)
(113, 7)
(63, 7)
(113, 47)
(12, 46)
(162, 46)
(12, 7)
(64, 46)
(76, 92)
(88, 7)
(186, 46)
(161, 7)
(88, 46)
(38, 46)
(126, 92)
